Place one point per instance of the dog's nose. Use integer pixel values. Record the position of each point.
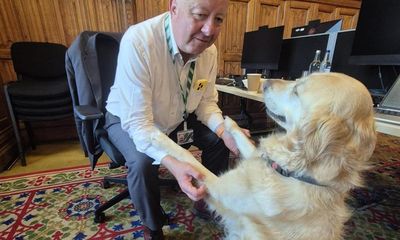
(267, 84)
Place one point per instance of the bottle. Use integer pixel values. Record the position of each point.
(326, 63)
(316, 63)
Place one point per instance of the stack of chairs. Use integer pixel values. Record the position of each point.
(41, 91)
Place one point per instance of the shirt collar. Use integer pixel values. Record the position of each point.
(171, 43)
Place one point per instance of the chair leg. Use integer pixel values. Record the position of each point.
(15, 127)
(108, 179)
(99, 216)
(29, 130)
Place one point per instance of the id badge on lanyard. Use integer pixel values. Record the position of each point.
(185, 136)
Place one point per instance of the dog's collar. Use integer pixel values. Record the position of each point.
(287, 173)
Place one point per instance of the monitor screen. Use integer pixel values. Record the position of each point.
(367, 74)
(297, 53)
(376, 41)
(262, 48)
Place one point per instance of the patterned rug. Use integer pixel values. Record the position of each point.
(60, 205)
(376, 207)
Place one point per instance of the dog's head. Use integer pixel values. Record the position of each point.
(329, 123)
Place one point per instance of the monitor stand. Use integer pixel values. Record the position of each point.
(391, 101)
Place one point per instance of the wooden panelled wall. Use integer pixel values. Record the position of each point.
(61, 21)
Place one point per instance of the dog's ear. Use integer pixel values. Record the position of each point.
(333, 135)
(323, 134)
(338, 149)
(365, 135)
(324, 139)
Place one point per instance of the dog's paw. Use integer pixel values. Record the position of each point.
(230, 124)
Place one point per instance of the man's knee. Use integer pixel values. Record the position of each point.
(141, 166)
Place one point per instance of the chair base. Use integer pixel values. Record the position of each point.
(99, 215)
(119, 180)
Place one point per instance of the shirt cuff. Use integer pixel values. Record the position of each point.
(155, 154)
(214, 121)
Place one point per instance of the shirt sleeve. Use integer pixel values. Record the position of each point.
(208, 111)
(135, 98)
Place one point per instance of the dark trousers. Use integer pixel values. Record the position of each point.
(142, 176)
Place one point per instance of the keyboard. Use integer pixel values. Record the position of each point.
(239, 83)
(387, 118)
(225, 81)
(388, 111)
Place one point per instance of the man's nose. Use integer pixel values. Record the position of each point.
(209, 28)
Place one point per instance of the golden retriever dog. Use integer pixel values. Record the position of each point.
(293, 185)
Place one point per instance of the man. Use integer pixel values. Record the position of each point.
(165, 82)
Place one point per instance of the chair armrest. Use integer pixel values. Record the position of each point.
(87, 112)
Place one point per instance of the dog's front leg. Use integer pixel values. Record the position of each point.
(245, 146)
(161, 141)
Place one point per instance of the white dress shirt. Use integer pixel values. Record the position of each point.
(146, 95)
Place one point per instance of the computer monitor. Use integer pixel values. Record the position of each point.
(367, 74)
(376, 41)
(297, 53)
(262, 48)
(316, 27)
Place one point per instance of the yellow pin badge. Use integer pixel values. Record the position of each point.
(200, 84)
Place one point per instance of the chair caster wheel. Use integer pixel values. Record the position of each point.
(106, 184)
(99, 218)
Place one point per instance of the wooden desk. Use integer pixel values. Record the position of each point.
(240, 93)
(384, 123)
(244, 95)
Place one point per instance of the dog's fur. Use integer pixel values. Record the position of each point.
(329, 137)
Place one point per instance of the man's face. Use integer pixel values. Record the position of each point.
(196, 23)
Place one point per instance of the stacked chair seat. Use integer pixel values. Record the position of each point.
(41, 91)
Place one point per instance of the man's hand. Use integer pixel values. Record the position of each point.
(229, 140)
(186, 175)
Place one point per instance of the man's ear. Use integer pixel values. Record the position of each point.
(172, 6)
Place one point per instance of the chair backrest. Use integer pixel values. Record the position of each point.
(91, 63)
(38, 60)
(107, 49)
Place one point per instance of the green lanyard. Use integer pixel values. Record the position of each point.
(184, 92)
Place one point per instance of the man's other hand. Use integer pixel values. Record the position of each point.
(187, 176)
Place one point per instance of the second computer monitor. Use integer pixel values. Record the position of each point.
(369, 75)
(262, 49)
(297, 54)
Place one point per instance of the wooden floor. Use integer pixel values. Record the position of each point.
(52, 156)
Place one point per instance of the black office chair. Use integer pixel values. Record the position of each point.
(41, 91)
(91, 63)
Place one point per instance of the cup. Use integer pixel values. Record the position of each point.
(253, 81)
